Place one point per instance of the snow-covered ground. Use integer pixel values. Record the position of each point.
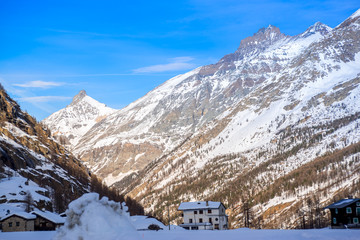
(237, 234)
(92, 218)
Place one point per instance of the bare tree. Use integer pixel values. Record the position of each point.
(247, 214)
(29, 202)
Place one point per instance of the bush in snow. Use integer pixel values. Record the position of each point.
(154, 227)
(92, 218)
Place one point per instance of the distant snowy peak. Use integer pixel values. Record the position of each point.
(77, 118)
(82, 101)
(261, 40)
(77, 98)
(318, 27)
(268, 39)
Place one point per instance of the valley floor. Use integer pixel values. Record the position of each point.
(238, 234)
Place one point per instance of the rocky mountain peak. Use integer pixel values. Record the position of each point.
(355, 14)
(353, 19)
(261, 39)
(72, 122)
(318, 27)
(77, 98)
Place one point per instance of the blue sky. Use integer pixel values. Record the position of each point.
(119, 50)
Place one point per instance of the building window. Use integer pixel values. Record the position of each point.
(209, 211)
(10, 224)
(210, 220)
(200, 220)
(195, 212)
(216, 219)
(216, 226)
(17, 224)
(336, 211)
(348, 210)
(358, 211)
(358, 204)
(334, 220)
(190, 220)
(355, 220)
(201, 212)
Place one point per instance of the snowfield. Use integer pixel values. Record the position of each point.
(92, 218)
(237, 234)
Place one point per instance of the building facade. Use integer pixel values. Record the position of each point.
(204, 215)
(47, 221)
(345, 213)
(17, 222)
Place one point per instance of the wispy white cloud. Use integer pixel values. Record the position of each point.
(39, 84)
(43, 99)
(77, 32)
(175, 64)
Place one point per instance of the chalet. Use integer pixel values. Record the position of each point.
(345, 213)
(47, 221)
(204, 215)
(18, 221)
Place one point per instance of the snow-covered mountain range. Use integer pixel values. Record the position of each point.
(249, 129)
(162, 119)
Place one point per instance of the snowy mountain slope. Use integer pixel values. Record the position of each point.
(305, 116)
(28, 151)
(127, 140)
(14, 192)
(71, 123)
(32, 161)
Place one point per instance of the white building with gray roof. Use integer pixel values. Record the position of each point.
(204, 215)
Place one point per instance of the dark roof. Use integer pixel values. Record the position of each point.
(343, 203)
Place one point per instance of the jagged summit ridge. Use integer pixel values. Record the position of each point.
(77, 98)
(352, 20)
(318, 27)
(263, 38)
(355, 14)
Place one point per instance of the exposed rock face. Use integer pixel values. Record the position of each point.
(261, 40)
(27, 148)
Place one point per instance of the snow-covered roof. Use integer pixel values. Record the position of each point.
(52, 217)
(195, 224)
(199, 205)
(25, 215)
(343, 203)
(143, 222)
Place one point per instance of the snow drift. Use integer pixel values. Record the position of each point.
(92, 218)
